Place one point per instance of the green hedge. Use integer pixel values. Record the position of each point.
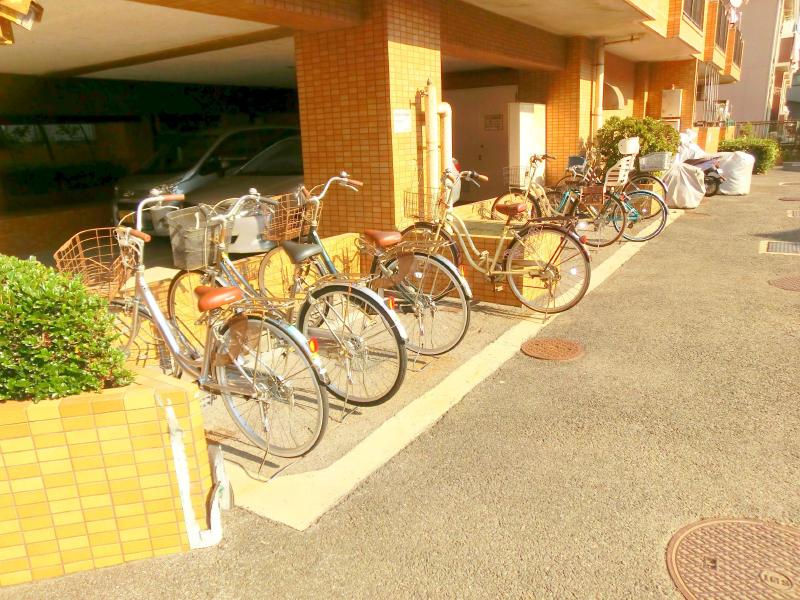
(56, 338)
(654, 136)
(764, 150)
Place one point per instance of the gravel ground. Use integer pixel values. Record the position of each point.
(559, 480)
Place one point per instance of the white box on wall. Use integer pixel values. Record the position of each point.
(526, 134)
(671, 103)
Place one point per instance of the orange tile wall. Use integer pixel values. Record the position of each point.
(349, 82)
(683, 75)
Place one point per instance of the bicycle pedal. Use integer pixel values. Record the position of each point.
(499, 287)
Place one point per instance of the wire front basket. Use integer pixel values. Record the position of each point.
(516, 176)
(94, 256)
(656, 161)
(193, 238)
(428, 205)
(290, 219)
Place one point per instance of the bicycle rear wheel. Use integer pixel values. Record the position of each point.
(647, 182)
(361, 347)
(431, 302)
(646, 214)
(270, 386)
(183, 312)
(426, 232)
(548, 269)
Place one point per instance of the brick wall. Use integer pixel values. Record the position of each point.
(683, 75)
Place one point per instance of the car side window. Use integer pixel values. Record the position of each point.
(235, 150)
(282, 158)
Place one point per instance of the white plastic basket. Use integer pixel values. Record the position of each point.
(628, 146)
(657, 161)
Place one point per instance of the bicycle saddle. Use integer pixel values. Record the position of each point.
(209, 298)
(299, 252)
(511, 210)
(384, 239)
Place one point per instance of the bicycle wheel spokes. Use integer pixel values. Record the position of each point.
(182, 308)
(432, 304)
(139, 338)
(363, 354)
(550, 270)
(270, 387)
(646, 215)
(601, 220)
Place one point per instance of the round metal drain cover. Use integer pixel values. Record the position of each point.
(552, 349)
(790, 283)
(735, 558)
(791, 199)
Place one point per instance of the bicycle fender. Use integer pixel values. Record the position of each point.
(385, 311)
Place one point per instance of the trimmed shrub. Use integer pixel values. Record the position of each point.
(56, 338)
(764, 150)
(654, 136)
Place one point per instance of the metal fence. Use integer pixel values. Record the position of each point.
(784, 132)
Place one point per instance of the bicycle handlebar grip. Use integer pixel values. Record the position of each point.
(548, 157)
(145, 237)
(173, 197)
(480, 177)
(355, 182)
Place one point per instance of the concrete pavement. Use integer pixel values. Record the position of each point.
(560, 480)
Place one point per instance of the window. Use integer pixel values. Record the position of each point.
(694, 10)
(721, 34)
(283, 158)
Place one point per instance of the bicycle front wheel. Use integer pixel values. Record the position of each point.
(360, 345)
(646, 215)
(600, 223)
(430, 300)
(139, 338)
(270, 386)
(548, 269)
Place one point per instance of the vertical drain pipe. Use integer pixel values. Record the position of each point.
(432, 135)
(446, 113)
(600, 80)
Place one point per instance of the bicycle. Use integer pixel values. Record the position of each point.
(546, 266)
(360, 340)
(598, 218)
(271, 382)
(428, 293)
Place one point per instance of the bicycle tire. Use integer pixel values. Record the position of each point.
(658, 210)
(182, 309)
(605, 226)
(712, 186)
(333, 326)
(545, 244)
(140, 340)
(425, 231)
(516, 196)
(305, 399)
(638, 179)
(450, 298)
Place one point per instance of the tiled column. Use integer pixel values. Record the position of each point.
(641, 89)
(683, 75)
(569, 103)
(354, 84)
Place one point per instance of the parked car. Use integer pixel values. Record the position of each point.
(187, 162)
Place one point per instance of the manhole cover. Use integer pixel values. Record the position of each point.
(791, 198)
(552, 349)
(790, 283)
(735, 558)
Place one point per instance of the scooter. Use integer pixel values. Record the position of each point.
(711, 174)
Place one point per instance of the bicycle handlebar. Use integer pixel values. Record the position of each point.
(343, 179)
(145, 237)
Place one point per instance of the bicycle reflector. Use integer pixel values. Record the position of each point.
(391, 303)
(313, 345)
(462, 270)
(583, 239)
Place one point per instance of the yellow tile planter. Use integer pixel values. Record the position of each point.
(89, 481)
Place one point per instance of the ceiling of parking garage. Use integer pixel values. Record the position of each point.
(606, 17)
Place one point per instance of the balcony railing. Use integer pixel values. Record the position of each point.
(738, 47)
(694, 10)
(721, 32)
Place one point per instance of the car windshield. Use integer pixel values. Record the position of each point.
(179, 154)
(282, 158)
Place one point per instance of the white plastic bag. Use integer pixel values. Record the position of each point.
(685, 186)
(737, 168)
(688, 148)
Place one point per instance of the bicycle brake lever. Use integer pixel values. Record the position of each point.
(350, 187)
